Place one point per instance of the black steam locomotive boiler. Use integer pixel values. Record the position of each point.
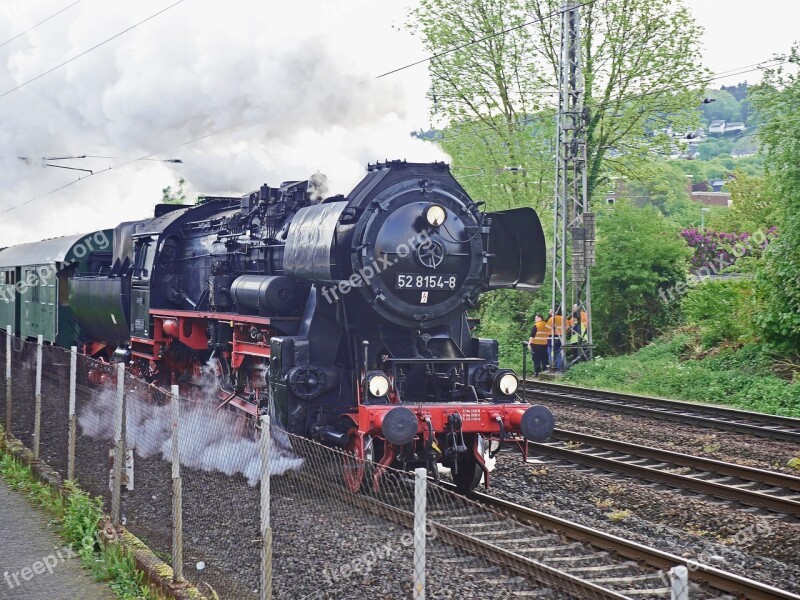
(344, 317)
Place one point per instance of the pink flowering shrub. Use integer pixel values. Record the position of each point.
(719, 247)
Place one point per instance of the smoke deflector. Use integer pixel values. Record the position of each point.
(517, 248)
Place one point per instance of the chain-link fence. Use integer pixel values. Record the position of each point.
(308, 522)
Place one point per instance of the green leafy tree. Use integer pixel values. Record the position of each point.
(174, 196)
(493, 76)
(753, 206)
(738, 91)
(485, 96)
(663, 185)
(778, 103)
(724, 107)
(638, 253)
(713, 148)
(642, 72)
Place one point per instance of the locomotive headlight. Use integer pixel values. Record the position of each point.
(508, 384)
(505, 382)
(435, 215)
(377, 384)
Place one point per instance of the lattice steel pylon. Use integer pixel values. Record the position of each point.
(573, 224)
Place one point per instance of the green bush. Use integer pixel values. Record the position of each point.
(639, 254)
(722, 309)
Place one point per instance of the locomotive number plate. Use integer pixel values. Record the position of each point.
(408, 281)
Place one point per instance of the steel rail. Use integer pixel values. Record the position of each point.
(516, 562)
(540, 571)
(780, 504)
(716, 578)
(715, 417)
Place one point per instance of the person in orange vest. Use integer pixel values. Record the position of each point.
(577, 324)
(554, 337)
(538, 343)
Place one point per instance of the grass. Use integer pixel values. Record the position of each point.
(77, 517)
(603, 503)
(676, 367)
(618, 515)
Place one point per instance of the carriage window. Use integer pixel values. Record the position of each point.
(63, 289)
(34, 290)
(143, 258)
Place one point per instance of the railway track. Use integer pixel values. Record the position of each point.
(769, 490)
(568, 559)
(719, 580)
(715, 417)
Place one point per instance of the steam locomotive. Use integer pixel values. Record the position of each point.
(343, 317)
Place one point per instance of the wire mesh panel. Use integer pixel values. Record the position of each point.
(146, 496)
(506, 550)
(23, 375)
(337, 526)
(95, 409)
(329, 542)
(54, 433)
(220, 468)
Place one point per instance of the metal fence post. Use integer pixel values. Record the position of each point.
(679, 578)
(119, 446)
(9, 333)
(177, 493)
(37, 414)
(420, 504)
(73, 379)
(266, 530)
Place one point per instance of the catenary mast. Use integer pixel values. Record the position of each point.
(573, 224)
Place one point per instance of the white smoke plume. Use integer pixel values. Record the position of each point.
(208, 439)
(265, 91)
(318, 186)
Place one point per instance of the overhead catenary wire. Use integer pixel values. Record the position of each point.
(87, 51)
(74, 181)
(382, 75)
(529, 119)
(42, 22)
(471, 133)
(485, 38)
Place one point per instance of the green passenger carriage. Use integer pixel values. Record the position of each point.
(34, 283)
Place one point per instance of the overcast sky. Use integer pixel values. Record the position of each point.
(279, 85)
(744, 32)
